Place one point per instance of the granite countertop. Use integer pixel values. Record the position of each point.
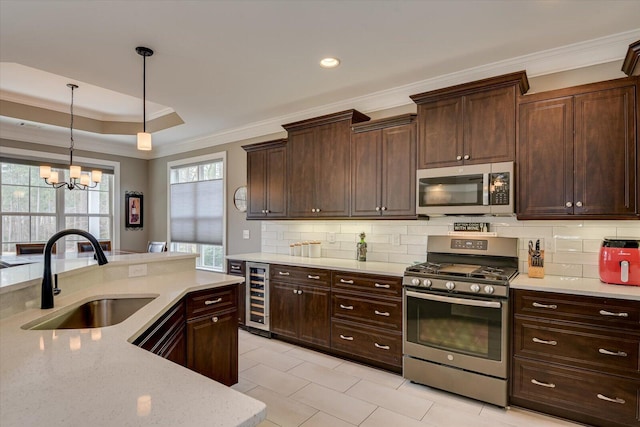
(559, 284)
(96, 376)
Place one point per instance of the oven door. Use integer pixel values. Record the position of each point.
(463, 332)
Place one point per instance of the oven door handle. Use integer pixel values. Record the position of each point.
(454, 300)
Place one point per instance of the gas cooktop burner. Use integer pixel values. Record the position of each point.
(463, 270)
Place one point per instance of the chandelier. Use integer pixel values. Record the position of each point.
(77, 179)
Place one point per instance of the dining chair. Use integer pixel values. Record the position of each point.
(85, 246)
(32, 248)
(157, 247)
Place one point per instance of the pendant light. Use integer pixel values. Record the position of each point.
(144, 138)
(75, 172)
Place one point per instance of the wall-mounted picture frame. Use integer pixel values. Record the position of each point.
(133, 210)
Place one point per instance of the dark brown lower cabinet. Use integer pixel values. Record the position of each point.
(199, 332)
(166, 337)
(213, 346)
(577, 357)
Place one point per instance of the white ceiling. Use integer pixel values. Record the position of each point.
(238, 69)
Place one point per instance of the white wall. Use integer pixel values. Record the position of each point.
(571, 247)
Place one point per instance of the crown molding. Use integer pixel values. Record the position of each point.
(578, 55)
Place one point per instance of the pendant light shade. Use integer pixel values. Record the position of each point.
(144, 138)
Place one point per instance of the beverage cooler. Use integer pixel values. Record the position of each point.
(257, 304)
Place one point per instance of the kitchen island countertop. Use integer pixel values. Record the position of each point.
(98, 377)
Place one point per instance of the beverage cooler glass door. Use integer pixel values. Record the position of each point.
(257, 278)
(468, 333)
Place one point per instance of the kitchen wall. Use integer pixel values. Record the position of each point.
(571, 247)
(133, 177)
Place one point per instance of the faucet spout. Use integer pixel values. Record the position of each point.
(46, 296)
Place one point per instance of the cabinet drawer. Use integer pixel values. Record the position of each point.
(368, 283)
(603, 312)
(300, 275)
(609, 398)
(382, 313)
(210, 301)
(604, 350)
(235, 267)
(367, 342)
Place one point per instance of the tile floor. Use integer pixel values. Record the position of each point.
(310, 389)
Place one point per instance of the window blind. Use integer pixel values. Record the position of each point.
(196, 212)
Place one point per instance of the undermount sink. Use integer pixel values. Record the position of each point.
(95, 313)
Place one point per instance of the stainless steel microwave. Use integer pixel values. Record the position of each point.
(485, 189)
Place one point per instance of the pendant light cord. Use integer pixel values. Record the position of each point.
(72, 86)
(144, 93)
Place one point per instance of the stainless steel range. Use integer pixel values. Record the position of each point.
(456, 308)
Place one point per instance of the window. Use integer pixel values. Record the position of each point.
(32, 211)
(196, 209)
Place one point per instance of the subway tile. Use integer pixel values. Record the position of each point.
(386, 247)
(568, 245)
(355, 228)
(378, 257)
(589, 245)
(346, 237)
(332, 227)
(274, 226)
(413, 239)
(417, 249)
(266, 235)
(583, 232)
(291, 235)
(575, 258)
(591, 271)
(406, 259)
(302, 227)
(337, 253)
(572, 270)
(376, 238)
(626, 231)
(305, 236)
(389, 229)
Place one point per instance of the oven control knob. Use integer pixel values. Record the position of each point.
(475, 288)
(488, 289)
(450, 285)
(427, 283)
(415, 282)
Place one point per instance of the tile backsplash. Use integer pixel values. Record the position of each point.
(571, 247)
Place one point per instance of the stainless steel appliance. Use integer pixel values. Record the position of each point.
(257, 296)
(456, 307)
(466, 190)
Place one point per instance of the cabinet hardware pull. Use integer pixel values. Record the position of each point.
(548, 385)
(350, 282)
(214, 319)
(283, 273)
(378, 285)
(382, 347)
(381, 313)
(295, 291)
(300, 292)
(538, 305)
(458, 157)
(608, 399)
(539, 341)
(384, 208)
(579, 204)
(346, 338)
(377, 208)
(612, 353)
(568, 204)
(608, 313)
(235, 267)
(346, 307)
(215, 301)
(466, 157)
(313, 277)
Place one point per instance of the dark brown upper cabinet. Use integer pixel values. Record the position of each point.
(383, 168)
(267, 179)
(578, 152)
(470, 123)
(318, 158)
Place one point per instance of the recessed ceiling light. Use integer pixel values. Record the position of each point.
(329, 62)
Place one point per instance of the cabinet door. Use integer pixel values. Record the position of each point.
(213, 347)
(365, 173)
(398, 148)
(284, 309)
(545, 158)
(302, 172)
(314, 315)
(276, 182)
(256, 189)
(333, 189)
(440, 133)
(176, 348)
(606, 153)
(490, 126)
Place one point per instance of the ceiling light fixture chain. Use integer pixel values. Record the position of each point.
(75, 172)
(144, 138)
